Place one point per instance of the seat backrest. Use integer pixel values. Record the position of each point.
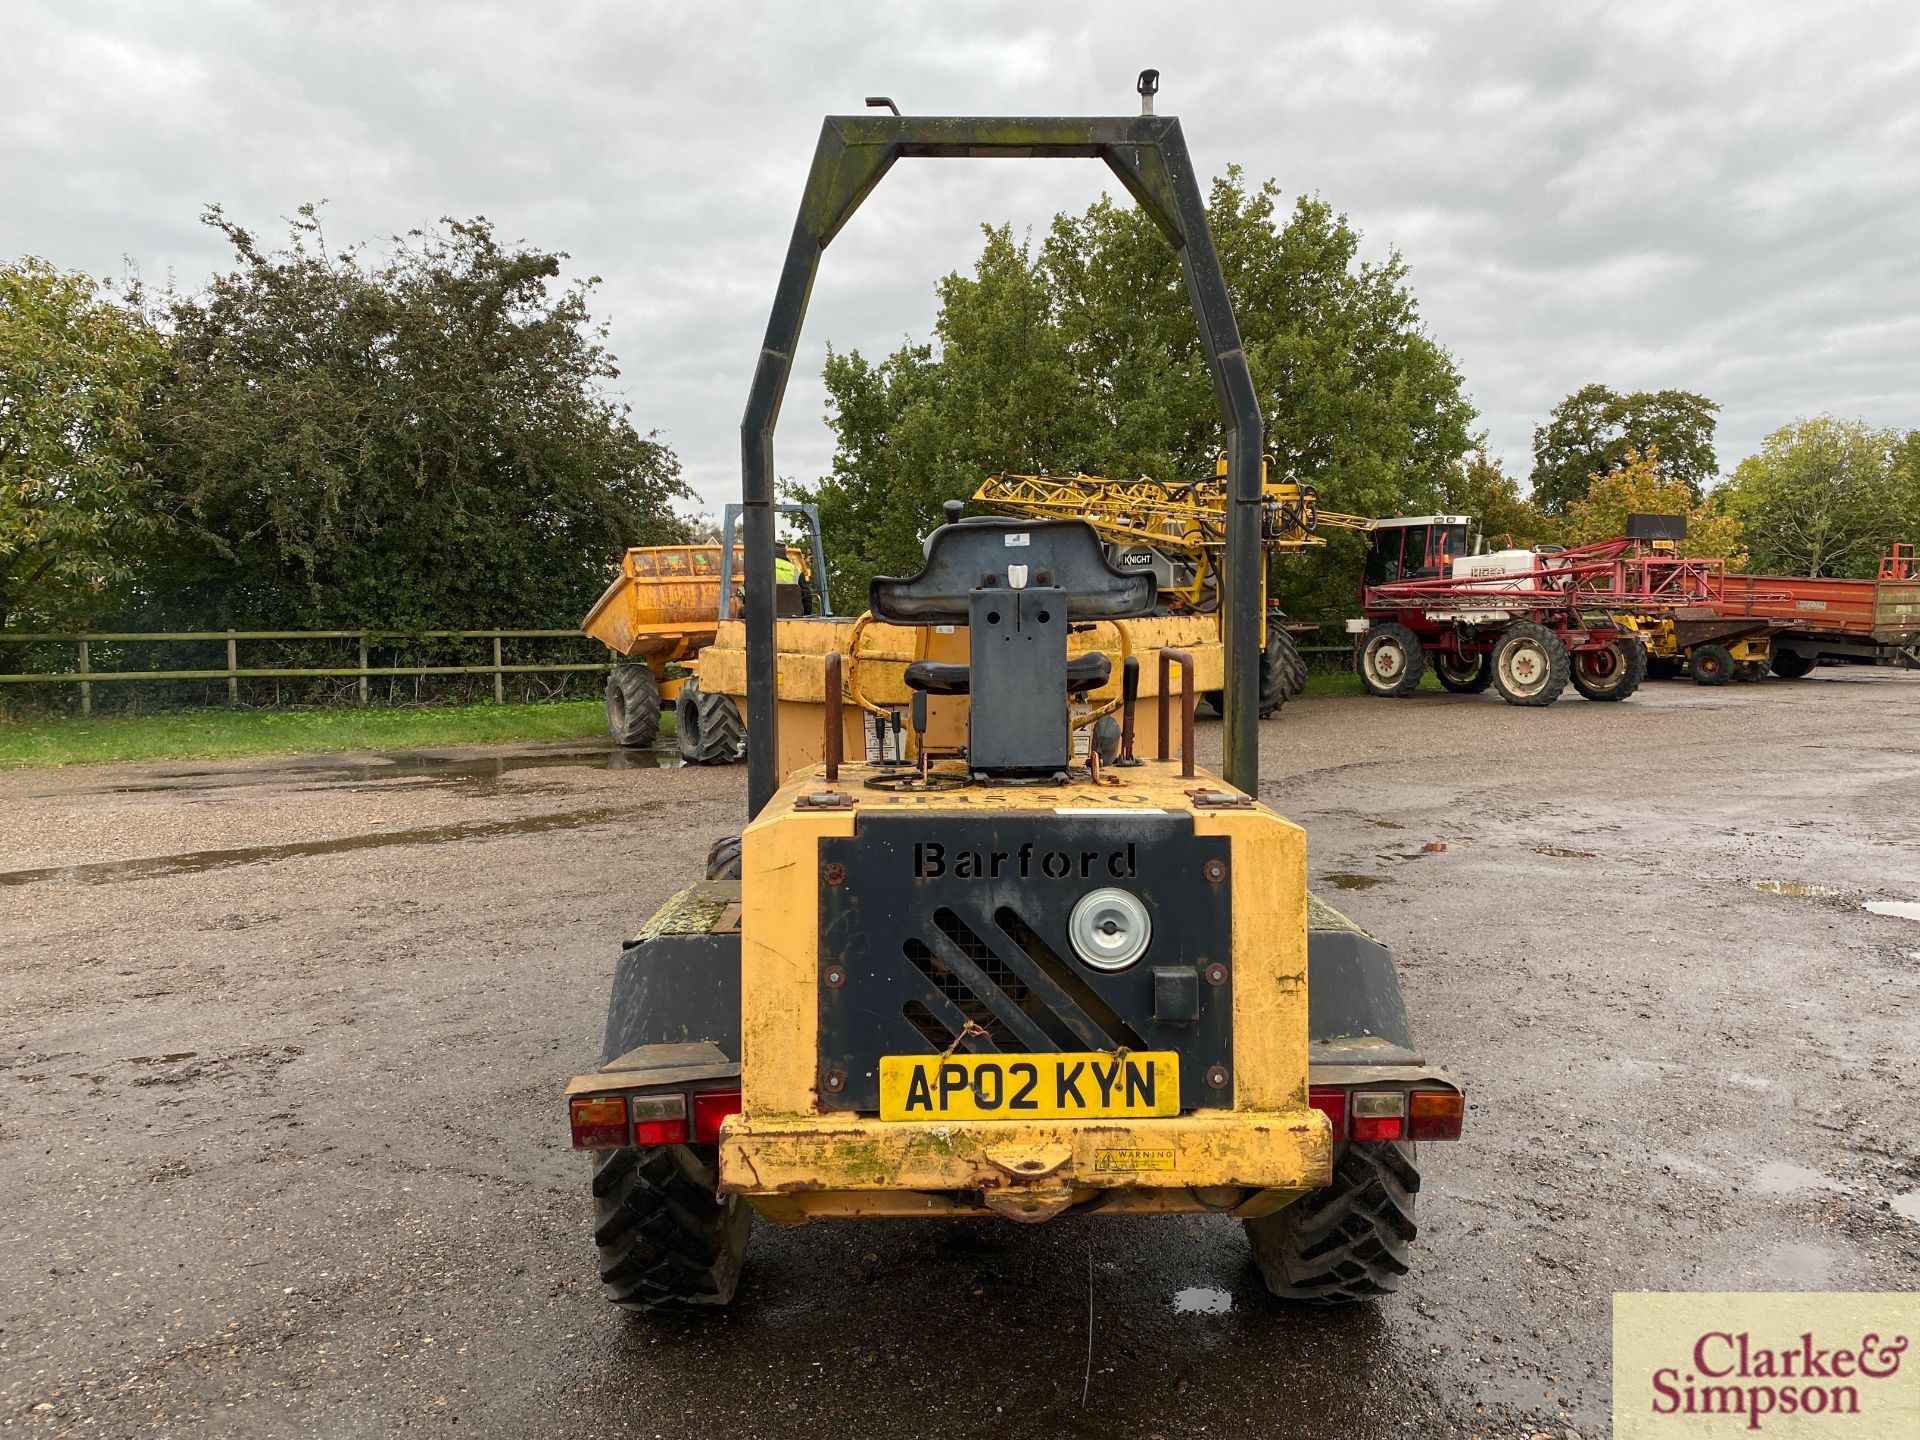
(977, 553)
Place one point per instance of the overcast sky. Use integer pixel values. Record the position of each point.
(1720, 197)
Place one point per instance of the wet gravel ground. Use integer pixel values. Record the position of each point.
(281, 1045)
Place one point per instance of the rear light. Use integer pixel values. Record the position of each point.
(710, 1110)
(1378, 1114)
(659, 1119)
(1435, 1114)
(599, 1121)
(1331, 1101)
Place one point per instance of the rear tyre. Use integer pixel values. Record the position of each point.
(633, 705)
(723, 860)
(1711, 664)
(1463, 674)
(1791, 664)
(707, 726)
(1350, 1241)
(1530, 665)
(1752, 671)
(667, 1239)
(1283, 674)
(1390, 660)
(1612, 672)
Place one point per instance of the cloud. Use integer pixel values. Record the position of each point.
(1719, 197)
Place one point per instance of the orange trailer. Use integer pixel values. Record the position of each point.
(1872, 622)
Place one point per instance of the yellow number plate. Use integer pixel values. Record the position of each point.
(1029, 1087)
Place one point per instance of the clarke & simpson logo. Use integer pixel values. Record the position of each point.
(1783, 1365)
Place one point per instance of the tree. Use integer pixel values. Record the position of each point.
(1641, 486)
(75, 502)
(1826, 497)
(1084, 355)
(422, 443)
(1595, 430)
(1480, 487)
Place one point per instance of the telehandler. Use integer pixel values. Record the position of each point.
(1004, 980)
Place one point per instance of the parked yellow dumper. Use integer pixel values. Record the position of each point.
(663, 610)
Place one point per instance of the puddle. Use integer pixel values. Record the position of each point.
(1777, 1177)
(1556, 850)
(1807, 1266)
(1908, 1205)
(1796, 887)
(152, 867)
(1345, 880)
(1899, 909)
(409, 765)
(1200, 1300)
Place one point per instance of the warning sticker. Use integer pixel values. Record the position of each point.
(1129, 1160)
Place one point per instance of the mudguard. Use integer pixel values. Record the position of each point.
(678, 981)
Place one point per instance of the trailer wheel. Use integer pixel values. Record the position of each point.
(1348, 1242)
(1463, 674)
(1711, 664)
(1530, 665)
(1283, 673)
(1612, 672)
(1791, 664)
(1390, 660)
(1752, 671)
(633, 705)
(667, 1239)
(708, 726)
(723, 859)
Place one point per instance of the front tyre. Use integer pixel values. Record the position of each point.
(667, 1240)
(633, 705)
(1349, 1242)
(1530, 665)
(1390, 660)
(1612, 671)
(1711, 664)
(1283, 673)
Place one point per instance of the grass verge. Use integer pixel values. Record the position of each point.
(203, 734)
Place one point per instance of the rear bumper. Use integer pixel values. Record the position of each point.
(796, 1167)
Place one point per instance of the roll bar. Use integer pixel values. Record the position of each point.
(1148, 153)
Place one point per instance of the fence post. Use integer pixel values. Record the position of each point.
(499, 681)
(86, 690)
(363, 667)
(233, 666)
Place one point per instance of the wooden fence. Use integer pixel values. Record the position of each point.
(86, 677)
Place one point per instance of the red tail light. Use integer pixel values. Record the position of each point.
(1331, 1101)
(1378, 1114)
(710, 1110)
(659, 1119)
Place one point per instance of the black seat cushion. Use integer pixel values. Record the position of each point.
(949, 677)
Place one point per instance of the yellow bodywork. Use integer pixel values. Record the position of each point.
(1663, 643)
(876, 655)
(793, 1160)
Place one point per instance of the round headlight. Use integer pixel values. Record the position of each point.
(1109, 929)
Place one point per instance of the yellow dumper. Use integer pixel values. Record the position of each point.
(663, 609)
